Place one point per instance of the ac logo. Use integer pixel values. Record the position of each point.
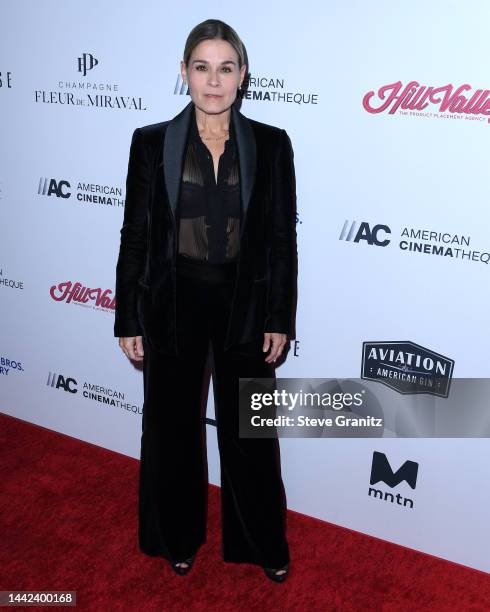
(50, 187)
(58, 381)
(375, 236)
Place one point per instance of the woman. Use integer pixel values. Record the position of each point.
(208, 256)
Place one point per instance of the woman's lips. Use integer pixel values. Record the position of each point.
(212, 96)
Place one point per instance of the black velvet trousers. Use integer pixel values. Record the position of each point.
(173, 469)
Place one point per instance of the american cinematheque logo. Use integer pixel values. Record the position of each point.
(414, 240)
(11, 283)
(416, 100)
(86, 192)
(261, 89)
(91, 391)
(407, 367)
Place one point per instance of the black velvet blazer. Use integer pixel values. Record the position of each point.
(265, 292)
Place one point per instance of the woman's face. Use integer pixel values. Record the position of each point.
(213, 75)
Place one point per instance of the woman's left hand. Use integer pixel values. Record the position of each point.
(276, 342)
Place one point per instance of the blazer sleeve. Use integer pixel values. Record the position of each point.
(282, 290)
(133, 239)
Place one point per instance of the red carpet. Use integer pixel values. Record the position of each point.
(68, 522)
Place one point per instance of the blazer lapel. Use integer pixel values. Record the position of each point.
(174, 149)
(173, 153)
(247, 158)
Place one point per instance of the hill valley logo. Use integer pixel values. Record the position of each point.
(446, 102)
(407, 367)
(76, 293)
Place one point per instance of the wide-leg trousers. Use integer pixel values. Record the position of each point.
(173, 468)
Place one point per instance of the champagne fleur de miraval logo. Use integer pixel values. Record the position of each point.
(446, 102)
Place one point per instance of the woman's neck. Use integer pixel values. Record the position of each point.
(215, 124)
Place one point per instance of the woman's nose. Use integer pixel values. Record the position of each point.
(213, 78)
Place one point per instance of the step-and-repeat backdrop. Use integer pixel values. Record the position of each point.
(388, 108)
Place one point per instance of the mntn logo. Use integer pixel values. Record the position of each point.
(381, 472)
(352, 233)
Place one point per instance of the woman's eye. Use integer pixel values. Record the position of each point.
(202, 67)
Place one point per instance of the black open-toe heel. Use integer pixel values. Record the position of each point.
(272, 573)
(183, 570)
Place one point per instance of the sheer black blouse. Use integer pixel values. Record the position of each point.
(209, 210)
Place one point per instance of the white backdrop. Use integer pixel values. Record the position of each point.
(61, 366)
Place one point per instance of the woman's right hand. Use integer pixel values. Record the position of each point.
(132, 347)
